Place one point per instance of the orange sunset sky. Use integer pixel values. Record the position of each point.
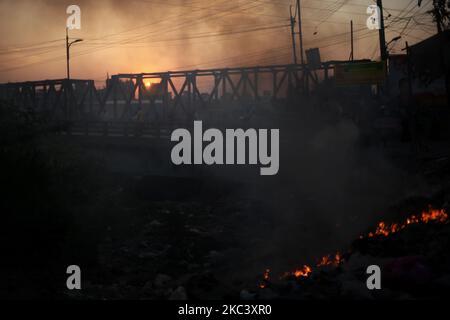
(133, 36)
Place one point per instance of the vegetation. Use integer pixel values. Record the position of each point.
(441, 14)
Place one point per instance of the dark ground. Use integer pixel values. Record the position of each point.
(159, 237)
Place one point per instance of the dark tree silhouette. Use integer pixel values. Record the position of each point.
(441, 14)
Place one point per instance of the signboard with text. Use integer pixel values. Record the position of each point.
(360, 73)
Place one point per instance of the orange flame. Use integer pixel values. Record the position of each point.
(305, 271)
(383, 229)
(335, 260)
(266, 279)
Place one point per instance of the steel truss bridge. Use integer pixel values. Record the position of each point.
(181, 95)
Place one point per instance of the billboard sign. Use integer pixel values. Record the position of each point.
(360, 73)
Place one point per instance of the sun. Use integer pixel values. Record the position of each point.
(149, 82)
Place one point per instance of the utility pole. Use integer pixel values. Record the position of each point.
(293, 35)
(302, 59)
(383, 51)
(300, 34)
(67, 53)
(351, 40)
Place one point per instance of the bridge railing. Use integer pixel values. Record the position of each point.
(117, 129)
(179, 96)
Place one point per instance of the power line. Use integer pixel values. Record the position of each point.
(124, 38)
(208, 35)
(29, 45)
(195, 20)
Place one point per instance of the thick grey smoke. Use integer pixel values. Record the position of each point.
(329, 190)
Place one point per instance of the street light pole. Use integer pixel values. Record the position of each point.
(68, 44)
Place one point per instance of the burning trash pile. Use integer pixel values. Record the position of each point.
(413, 256)
(432, 215)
